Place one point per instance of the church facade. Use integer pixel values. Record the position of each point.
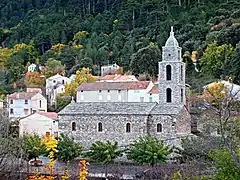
(124, 122)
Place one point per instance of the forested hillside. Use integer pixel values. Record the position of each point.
(91, 33)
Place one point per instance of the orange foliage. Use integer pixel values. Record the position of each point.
(34, 79)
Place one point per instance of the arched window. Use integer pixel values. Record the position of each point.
(128, 128)
(73, 126)
(181, 95)
(169, 72)
(159, 127)
(99, 127)
(181, 73)
(169, 95)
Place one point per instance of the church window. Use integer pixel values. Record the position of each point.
(169, 55)
(179, 55)
(169, 95)
(73, 126)
(99, 127)
(169, 72)
(128, 128)
(181, 75)
(159, 127)
(181, 95)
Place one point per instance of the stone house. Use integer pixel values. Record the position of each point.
(134, 91)
(21, 104)
(54, 86)
(123, 122)
(41, 123)
(111, 68)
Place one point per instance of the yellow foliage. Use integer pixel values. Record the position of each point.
(5, 55)
(34, 79)
(57, 48)
(83, 170)
(20, 46)
(215, 93)
(81, 76)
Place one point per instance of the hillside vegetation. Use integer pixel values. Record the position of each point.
(91, 33)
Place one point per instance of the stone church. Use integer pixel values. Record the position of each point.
(124, 122)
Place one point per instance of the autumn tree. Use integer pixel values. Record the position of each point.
(83, 75)
(34, 79)
(5, 55)
(53, 67)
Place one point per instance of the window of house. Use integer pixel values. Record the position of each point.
(11, 101)
(54, 81)
(34, 111)
(73, 126)
(26, 101)
(141, 99)
(128, 127)
(119, 91)
(169, 72)
(108, 97)
(99, 127)
(181, 95)
(159, 127)
(100, 91)
(119, 97)
(150, 99)
(81, 97)
(169, 95)
(25, 111)
(108, 91)
(53, 122)
(181, 73)
(11, 111)
(62, 81)
(40, 103)
(100, 97)
(81, 90)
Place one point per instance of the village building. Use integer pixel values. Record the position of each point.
(21, 104)
(109, 69)
(118, 78)
(124, 122)
(135, 91)
(55, 85)
(40, 123)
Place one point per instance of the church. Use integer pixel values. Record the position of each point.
(168, 120)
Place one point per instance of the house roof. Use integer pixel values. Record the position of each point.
(51, 115)
(55, 76)
(154, 89)
(22, 95)
(116, 108)
(135, 85)
(118, 77)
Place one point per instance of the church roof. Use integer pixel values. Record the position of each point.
(117, 108)
(171, 41)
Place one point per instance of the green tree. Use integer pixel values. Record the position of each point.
(33, 147)
(53, 67)
(104, 152)
(146, 60)
(148, 150)
(215, 59)
(62, 101)
(67, 148)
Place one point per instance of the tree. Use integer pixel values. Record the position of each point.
(53, 67)
(34, 79)
(216, 58)
(148, 150)
(33, 146)
(104, 152)
(146, 60)
(5, 55)
(62, 101)
(67, 148)
(82, 76)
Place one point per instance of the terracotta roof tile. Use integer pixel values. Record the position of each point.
(154, 89)
(139, 85)
(22, 95)
(104, 86)
(51, 115)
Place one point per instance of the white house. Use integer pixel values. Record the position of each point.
(111, 68)
(152, 95)
(32, 67)
(54, 86)
(135, 91)
(21, 104)
(41, 123)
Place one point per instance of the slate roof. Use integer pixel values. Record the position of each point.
(115, 108)
(22, 95)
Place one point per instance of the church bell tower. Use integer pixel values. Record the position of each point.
(171, 74)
